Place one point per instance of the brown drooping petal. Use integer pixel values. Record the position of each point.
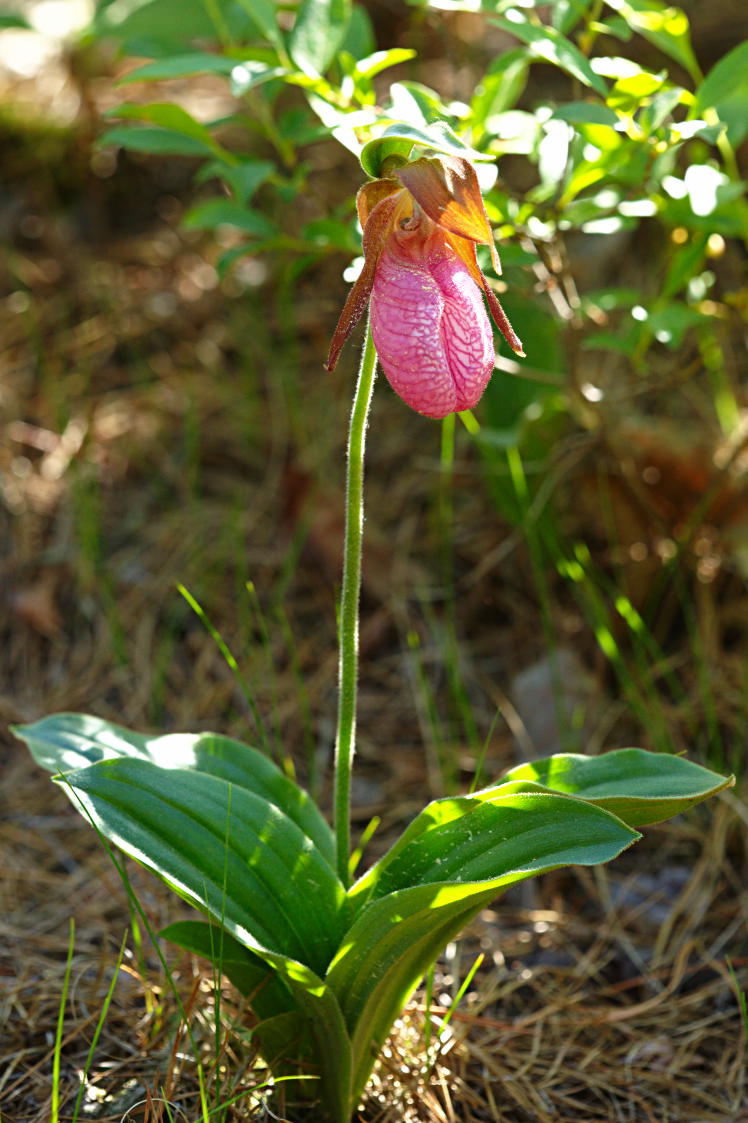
(376, 230)
(447, 189)
(466, 250)
(501, 320)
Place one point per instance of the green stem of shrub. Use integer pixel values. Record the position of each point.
(345, 740)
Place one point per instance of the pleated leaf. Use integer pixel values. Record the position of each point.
(252, 975)
(67, 741)
(411, 904)
(523, 827)
(231, 853)
(637, 786)
(244, 863)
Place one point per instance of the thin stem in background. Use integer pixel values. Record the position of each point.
(349, 599)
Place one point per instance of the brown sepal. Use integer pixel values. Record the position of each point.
(377, 228)
(372, 193)
(447, 189)
(502, 321)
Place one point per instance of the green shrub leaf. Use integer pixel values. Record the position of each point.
(225, 212)
(725, 90)
(243, 179)
(180, 66)
(550, 45)
(264, 16)
(318, 33)
(167, 116)
(158, 142)
(663, 25)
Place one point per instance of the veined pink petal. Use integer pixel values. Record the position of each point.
(430, 325)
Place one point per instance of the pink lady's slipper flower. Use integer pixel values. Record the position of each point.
(422, 281)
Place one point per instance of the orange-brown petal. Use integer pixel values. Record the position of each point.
(376, 232)
(447, 189)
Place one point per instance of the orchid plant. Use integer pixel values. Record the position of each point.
(327, 964)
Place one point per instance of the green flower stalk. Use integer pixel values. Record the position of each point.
(349, 604)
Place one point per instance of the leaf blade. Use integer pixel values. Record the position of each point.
(549, 45)
(434, 885)
(230, 853)
(318, 33)
(617, 781)
(67, 741)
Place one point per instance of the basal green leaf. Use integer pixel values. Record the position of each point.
(300, 1031)
(229, 852)
(253, 976)
(65, 742)
(239, 859)
(455, 858)
(550, 45)
(318, 33)
(637, 786)
(385, 955)
(495, 835)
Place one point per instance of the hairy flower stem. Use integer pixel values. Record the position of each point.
(345, 740)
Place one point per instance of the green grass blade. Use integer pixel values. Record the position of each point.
(99, 1026)
(55, 1104)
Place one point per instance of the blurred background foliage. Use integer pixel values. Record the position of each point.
(179, 228)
